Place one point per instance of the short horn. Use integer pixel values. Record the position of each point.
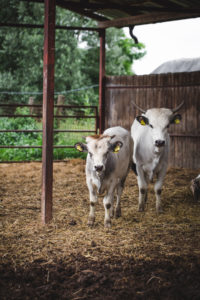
(142, 110)
(178, 107)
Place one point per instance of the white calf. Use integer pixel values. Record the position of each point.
(107, 166)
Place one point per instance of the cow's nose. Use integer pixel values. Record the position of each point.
(159, 143)
(99, 168)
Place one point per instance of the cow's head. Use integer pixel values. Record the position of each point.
(158, 121)
(98, 148)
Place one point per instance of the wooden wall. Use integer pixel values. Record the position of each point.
(160, 90)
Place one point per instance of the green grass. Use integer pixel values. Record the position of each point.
(60, 139)
(71, 138)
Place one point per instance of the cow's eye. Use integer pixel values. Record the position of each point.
(151, 125)
(90, 154)
(167, 126)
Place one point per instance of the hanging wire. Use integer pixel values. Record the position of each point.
(56, 93)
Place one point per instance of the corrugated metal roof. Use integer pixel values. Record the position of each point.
(112, 10)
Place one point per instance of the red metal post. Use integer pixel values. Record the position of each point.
(102, 36)
(48, 104)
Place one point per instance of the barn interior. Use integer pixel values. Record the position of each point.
(143, 256)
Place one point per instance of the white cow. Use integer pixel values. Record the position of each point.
(151, 149)
(107, 165)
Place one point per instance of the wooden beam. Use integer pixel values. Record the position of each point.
(33, 26)
(102, 60)
(48, 104)
(75, 8)
(147, 19)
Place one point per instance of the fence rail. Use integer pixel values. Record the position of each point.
(56, 116)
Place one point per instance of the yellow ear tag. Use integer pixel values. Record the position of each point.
(79, 148)
(177, 121)
(117, 148)
(142, 122)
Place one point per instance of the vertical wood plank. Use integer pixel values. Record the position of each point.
(48, 103)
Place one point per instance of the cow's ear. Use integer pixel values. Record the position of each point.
(115, 147)
(176, 119)
(81, 147)
(142, 120)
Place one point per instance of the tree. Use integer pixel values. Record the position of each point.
(21, 59)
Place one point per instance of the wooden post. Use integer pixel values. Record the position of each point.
(48, 104)
(102, 81)
(31, 102)
(60, 110)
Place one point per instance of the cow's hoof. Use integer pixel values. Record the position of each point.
(111, 213)
(107, 224)
(91, 221)
(141, 208)
(159, 210)
(118, 213)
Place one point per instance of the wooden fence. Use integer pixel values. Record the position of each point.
(160, 90)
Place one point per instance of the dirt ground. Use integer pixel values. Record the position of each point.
(143, 255)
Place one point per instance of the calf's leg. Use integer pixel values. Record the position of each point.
(120, 188)
(93, 201)
(108, 204)
(107, 201)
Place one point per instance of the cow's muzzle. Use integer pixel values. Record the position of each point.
(98, 168)
(159, 143)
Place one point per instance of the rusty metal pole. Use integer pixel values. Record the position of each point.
(102, 35)
(48, 105)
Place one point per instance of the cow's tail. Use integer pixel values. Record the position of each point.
(133, 167)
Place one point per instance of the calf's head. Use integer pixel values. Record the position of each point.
(158, 121)
(98, 148)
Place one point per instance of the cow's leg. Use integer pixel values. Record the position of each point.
(142, 185)
(118, 204)
(93, 201)
(108, 204)
(158, 188)
(120, 188)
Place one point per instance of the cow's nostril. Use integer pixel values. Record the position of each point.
(98, 168)
(159, 143)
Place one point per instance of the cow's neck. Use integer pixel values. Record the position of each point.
(103, 177)
(100, 182)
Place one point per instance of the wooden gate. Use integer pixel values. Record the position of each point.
(160, 90)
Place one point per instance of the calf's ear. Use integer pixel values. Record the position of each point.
(175, 119)
(142, 120)
(81, 147)
(115, 147)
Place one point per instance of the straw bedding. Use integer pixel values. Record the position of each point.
(143, 255)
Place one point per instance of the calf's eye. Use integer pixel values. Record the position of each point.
(151, 125)
(90, 154)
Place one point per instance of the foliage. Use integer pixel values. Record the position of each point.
(76, 69)
(35, 138)
(21, 59)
